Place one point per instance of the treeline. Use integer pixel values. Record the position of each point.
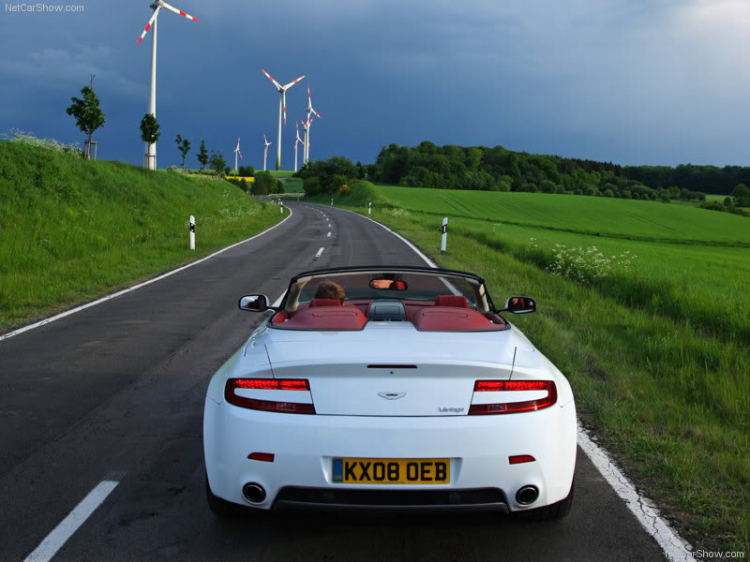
(332, 176)
(499, 169)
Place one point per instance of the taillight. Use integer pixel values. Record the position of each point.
(514, 407)
(271, 384)
(268, 405)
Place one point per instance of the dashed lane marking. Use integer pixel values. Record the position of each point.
(68, 526)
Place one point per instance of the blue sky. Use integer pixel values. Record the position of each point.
(627, 81)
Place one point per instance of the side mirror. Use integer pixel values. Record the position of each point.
(519, 305)
(254, 303)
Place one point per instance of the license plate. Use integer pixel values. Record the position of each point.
(390, 471)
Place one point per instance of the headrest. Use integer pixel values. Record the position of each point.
(325, 302)
(456, 301)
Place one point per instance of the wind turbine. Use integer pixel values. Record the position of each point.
(282, 109)
(296, 142)
(266, 144)
(310, 111)
(156, 6)
(236, 152)
(305, 127)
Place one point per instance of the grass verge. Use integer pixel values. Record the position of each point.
(73, 230)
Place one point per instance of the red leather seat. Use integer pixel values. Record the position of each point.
(452, 319)
(456, 301)
(327, 318)
(324, 302)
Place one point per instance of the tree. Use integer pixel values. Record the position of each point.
(246, 171)
(88, 115)
(741, 195)
(203, 154)
(217, 163)
(149, 130)
(263, 184)
(183, 145)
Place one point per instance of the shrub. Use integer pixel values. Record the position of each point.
(264, 183)
(246, 171)
(14, 135)
(312, 186)
(586, 266)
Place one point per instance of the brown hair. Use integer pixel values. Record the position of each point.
(330, 290)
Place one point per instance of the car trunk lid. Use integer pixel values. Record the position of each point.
(433, 376)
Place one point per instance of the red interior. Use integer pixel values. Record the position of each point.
(328, 318)
(426, 316)
(324, 302)
(452, 319)
(458, 301)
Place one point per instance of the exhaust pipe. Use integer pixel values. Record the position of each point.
(527, 495)
(254, 493)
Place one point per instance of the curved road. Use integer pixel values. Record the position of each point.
(116, 392)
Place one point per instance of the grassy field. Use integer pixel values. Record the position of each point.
(651, 327)
(72, 230)
(293, 185)
(280, 173)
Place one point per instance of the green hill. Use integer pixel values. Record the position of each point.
(600, 216)
(72, 229)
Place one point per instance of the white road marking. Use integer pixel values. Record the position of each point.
(319, 252)
(60, 534)
(329, 234)
(675, 547)
(134, 287)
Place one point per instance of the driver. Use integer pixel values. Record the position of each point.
(330, 290)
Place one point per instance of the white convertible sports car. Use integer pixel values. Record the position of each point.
(411, 393)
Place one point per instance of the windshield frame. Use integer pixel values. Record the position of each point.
(290, 302)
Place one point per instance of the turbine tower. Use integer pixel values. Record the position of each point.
(282, 109)
(236, 152)
(306, 128)
(310, 111)
(266, 144)
(156, 6)
(296, 142)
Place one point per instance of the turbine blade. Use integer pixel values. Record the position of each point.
(283, 98)
(293, 82)
(148, 26)
(275, 83)
(176, 11)
(316, 114)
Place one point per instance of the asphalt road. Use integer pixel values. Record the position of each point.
(116, 392)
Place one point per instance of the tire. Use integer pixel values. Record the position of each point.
(552, 512)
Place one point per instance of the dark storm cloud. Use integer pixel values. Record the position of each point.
(631, 81)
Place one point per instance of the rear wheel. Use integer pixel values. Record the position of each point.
(558, 510)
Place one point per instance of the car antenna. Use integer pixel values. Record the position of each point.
(515, 349)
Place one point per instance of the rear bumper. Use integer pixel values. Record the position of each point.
(327, 499)
(478, 448)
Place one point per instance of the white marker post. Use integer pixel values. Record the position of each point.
(331, 201)
(192, 232)
(281, 208)
(444, 238)
(369, 208)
